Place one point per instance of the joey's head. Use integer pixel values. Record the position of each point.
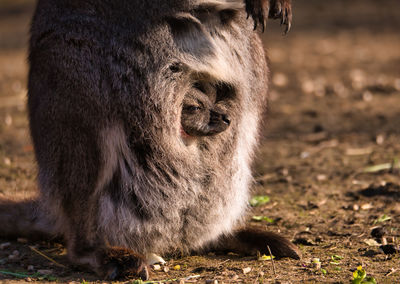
(201, 114)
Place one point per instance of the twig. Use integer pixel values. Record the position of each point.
(191, 277)
(188, 278)
(391, 272)
(223, 262)
(273, 263)
(46, 257)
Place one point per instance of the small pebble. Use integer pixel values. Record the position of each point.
(367, 96)
(367, 206)
(156, 267)
(308, 86)
(304, 155)
(280, 80)
(285, 172)
(45, 271)
(4, 246)
(246, 270)
(8, 120)
(7, 161)
(12, 257)
(154, 259)
(380, 139)
(22, 240)
(371, 242)
(28, 279)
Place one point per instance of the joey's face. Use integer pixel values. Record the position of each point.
(201, 115)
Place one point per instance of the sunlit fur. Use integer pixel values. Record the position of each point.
(106, 85)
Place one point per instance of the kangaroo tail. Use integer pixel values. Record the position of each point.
(24, 219)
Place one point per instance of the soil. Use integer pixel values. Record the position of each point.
(329, 158)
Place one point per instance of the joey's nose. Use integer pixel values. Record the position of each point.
(225, 118)
(217, 117)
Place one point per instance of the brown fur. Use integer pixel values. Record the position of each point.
(107, 82)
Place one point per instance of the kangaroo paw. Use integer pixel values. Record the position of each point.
(120, 263)
(252, 240)
(257, 239)
(260, 10)
(282, 9)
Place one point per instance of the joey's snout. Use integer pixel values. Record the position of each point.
(219, 122)
(204, 122)
(218, 117)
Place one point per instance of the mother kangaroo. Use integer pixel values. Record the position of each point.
(119, 177)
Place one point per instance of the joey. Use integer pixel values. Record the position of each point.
(202, 115)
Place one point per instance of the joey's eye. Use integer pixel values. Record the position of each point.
(192, 108)
(199, 86)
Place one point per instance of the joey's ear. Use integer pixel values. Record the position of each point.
(191, 31)
(190, 35)
(217, 12)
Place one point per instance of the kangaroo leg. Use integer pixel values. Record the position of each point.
(24, 218)
(252, 239)
(110, 263)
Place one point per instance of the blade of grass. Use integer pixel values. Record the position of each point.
(378, 168)
(272, 260)
(166, 280)
(395, 164)
(46, 257)
(259, 200)
(15, 274)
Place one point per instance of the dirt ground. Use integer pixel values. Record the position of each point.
(329, 161)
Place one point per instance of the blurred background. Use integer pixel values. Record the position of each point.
(330, 153)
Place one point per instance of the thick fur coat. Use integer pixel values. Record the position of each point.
(106, 84)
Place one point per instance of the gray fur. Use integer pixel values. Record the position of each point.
(107, 82)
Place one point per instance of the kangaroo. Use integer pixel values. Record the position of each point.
(110, 98)
(204, 112)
